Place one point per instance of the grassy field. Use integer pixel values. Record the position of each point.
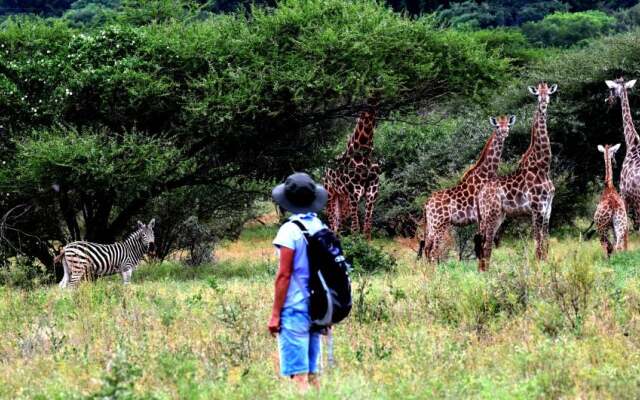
(569, 328)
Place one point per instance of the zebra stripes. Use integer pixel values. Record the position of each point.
(86, 260)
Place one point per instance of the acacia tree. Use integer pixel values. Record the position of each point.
(100, 123)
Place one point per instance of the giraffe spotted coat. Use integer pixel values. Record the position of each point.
(630, 174)
(456, 206)
(355, 175)
(611, 212)
(527, 191)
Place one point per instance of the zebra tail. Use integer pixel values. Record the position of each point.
(58, 259)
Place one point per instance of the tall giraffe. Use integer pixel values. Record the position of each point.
(527, 191)
(611, 211)
(630, 174)
(456, 205)
(356, 175)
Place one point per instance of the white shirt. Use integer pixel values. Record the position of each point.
(291, 236)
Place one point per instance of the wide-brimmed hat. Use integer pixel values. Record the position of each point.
(300, 194)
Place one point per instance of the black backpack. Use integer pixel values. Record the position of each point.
(329, 285)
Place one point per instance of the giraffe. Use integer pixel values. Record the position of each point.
(630, 174)
(456, 206)
(355, 176)
(611, 211)
(527, 191)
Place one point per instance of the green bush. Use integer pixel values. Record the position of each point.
(119, 379)
(24, 273)
(564, 29)
(365, 257)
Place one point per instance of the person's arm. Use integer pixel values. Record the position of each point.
(283, 277)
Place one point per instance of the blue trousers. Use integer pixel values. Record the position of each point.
(300, 349)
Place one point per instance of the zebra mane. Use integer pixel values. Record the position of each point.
(136, 235)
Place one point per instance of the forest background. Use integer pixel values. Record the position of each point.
(189, 111)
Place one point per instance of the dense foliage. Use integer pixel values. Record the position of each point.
(99, 123)
(154, 107)
(567, 29)
(487, 13)
(432, 154)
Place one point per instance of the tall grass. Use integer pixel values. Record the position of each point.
(567, 328)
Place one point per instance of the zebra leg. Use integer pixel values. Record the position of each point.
(65, 279)
(126, 276)
(78, 271)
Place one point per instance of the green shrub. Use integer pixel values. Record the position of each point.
(548, 318)
(572, 288)
(365, 257)
(566, 29)
(23, 273)
(118, 379)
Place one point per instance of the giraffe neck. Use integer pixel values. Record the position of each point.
(608, 173)
(538, 154)
(487, 165)
(630, 134)
(361, 141)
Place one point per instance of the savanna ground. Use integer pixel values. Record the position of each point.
(568, 328)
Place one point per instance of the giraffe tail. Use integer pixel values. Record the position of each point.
(478, 241)
(589, 232)
(426, 243)
(420, 249)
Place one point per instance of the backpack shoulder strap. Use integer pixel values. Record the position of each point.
(305, 232)
(301, 226)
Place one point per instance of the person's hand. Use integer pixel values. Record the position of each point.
(274, 325)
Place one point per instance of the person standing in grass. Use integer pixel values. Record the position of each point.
(299, 347)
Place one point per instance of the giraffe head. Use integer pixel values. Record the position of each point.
(543, 92)
(502, 124)
(617, 87)
(609, 151)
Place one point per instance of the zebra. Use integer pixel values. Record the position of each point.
(88, 260)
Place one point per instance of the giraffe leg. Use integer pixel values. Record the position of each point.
(487, 239)
(330, 211)
(371, 196)
(620, 230)
(633, 207)
(354, 200)
(490, 219)
(605, 243)
(546, 218)
(428, 249)
(437, 245)
(337, 214)
(538, 234)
